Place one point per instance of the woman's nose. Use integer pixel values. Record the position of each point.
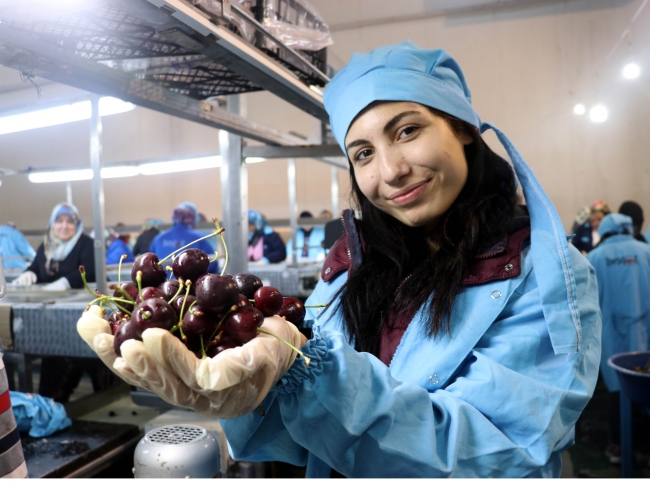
(393, 167)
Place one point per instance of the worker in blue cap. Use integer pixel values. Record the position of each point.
(264, 244)
(460, 335)
(184, 220)
(622, 266)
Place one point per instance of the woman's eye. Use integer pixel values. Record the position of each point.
(363, 154)
(408, 131)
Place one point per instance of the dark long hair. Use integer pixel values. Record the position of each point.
(400, 271)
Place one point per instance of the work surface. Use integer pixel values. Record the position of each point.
(85, 444)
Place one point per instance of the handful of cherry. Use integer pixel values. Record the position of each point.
(210, 313)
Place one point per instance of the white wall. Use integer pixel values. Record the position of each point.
(526, 66)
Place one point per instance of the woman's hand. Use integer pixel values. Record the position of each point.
(231, 384)
(28, 278)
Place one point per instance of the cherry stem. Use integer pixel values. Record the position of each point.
(138, 280)
(220, 231)
(232, 309)
(171, 272)
(203, 348)
(320, 305)
(188, 283)
(119, 269)
(82, 270)
(107, 299)
(196, 314)
(307, 359)
(146, 314)
(123, 291)
(180, 288)
(188, 245)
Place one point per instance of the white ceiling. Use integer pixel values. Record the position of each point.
(343, 14)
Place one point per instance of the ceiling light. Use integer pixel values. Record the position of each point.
(631, 70)
(120, 171)
(60, 176)
(598, 113)
(255, 159)
(579, 109)
(180, 165)
(61, 114)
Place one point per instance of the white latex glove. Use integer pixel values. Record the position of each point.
(28, 278)
(231, 384)
(62, 284)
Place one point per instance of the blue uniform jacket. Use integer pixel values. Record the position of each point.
(316, 249)
(115, 251)
(14, 248)
(498, 397)
(622, 266)
(178, 236)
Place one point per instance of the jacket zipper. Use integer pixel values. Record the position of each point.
(347, 238)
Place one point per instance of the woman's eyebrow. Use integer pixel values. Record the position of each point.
(396, 119)
(389, 126)
(356, 143)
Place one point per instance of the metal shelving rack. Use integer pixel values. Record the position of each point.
(191, 58)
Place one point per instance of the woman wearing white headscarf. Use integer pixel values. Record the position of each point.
(64, 248)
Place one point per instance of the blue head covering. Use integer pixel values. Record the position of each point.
(404, 72)
(185, 213)
(616, 224)
(54, 248)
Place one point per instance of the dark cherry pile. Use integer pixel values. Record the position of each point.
(208, 312)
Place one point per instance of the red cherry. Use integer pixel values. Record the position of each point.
(153, 273)
(153, 313)
(268, 300)
(215, 293)
(150, 292)
(124, 333)
(293, 310)
(241, 325)
(191, 264)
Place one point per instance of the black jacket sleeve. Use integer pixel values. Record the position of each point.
(82, 254)
(38, 264)
(274, 249)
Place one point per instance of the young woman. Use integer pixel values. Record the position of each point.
(462, 335)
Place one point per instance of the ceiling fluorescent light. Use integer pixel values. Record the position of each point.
(61, 114)
(120, 171)
(156, 168)
(60, 176)
(255, 159)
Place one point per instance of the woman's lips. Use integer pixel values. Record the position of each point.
(409, 194)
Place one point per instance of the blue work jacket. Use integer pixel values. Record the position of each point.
(178, 236)
(316, 249)
(115, 251)
(498, 397)
(623, 269)
(16, 252)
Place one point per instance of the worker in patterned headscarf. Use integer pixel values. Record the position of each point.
(64, 248)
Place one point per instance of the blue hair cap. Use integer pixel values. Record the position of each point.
(398, 72)
(616, 224)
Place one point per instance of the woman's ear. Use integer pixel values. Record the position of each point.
(465, 138)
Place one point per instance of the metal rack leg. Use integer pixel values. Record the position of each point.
(627, 456)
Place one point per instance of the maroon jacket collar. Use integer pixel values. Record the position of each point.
(501, 261)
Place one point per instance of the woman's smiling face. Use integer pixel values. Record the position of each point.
(407, 161)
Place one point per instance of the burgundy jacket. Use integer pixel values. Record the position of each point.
(501, 261)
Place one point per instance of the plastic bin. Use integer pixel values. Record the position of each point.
(635, 385)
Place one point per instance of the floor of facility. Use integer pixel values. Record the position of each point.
(585, 459)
